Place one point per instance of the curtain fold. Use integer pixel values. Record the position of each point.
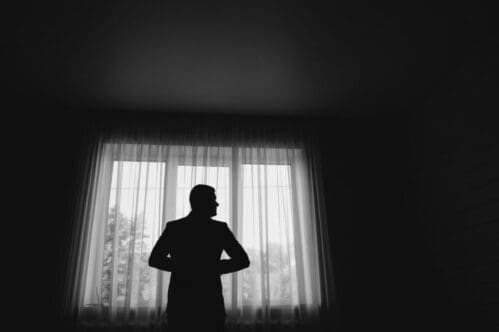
(268, 185)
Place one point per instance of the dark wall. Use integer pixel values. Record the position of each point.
(368, 193)
(414, 208)
(456, 158)
(49, 141)
(40, 159)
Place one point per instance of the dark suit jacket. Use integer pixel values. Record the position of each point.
(195, 246)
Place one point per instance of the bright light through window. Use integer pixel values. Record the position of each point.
(268, 234)
(135, 208)
(262, 197)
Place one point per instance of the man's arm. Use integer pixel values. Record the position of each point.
(238, 257)
(159, 255)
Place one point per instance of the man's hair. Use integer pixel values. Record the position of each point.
(200, 194)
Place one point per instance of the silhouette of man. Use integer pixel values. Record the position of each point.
(190, 248)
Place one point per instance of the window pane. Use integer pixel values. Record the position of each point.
(268, 235)
(135, 212)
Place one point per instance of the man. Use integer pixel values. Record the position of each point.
(194, 245)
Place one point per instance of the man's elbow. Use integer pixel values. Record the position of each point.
(246, 262)
(153, 261)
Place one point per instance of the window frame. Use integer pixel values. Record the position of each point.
(235, 163)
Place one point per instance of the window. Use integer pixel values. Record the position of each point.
(264, 197)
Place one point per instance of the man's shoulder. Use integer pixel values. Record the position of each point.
(179, 223)
(175, 223)
(221, 225)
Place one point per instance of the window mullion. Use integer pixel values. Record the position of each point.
(236, 208)
(171, 161)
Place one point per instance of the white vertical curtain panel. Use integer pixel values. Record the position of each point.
(269, 196)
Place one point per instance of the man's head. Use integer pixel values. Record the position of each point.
(203, 200)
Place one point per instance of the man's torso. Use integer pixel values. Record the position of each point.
(196, 248)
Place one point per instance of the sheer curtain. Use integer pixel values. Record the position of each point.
(268, 188)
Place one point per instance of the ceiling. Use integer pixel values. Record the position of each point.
(239, 58)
